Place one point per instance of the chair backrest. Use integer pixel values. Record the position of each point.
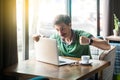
(108, 55)
(95, 52)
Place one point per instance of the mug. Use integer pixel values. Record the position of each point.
(85, 59)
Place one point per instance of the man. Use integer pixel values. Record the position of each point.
(73, 43)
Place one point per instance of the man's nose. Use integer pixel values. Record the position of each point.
(60, 32)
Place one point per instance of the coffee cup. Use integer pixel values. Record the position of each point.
(85, 59)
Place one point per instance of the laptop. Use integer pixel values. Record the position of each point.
(46, 51)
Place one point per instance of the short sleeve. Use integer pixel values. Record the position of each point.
(83, 33)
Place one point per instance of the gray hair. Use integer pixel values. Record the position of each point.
(62, 19)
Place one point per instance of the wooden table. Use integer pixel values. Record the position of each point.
(66, 72)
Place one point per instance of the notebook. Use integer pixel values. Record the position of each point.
(46, 51)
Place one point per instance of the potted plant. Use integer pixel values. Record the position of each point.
(116, 29)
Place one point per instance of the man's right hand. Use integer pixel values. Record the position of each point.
(36, 37)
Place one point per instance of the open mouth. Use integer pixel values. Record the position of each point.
(63, 35)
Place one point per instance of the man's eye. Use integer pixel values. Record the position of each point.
(62, 28)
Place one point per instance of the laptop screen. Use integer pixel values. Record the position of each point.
(46, 51)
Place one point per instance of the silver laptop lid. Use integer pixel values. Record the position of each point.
(46, 51)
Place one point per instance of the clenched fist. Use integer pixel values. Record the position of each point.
(84, 40)
(36, 37)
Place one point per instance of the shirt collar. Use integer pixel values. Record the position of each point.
(73, 37)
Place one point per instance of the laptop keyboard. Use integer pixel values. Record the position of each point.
(60, 61)
(65, 60)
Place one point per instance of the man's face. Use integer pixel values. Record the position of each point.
(63, 29)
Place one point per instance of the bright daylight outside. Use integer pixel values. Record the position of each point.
(42, 13)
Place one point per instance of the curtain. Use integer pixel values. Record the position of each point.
(113, 7)
(8, 34)
(1, 40)
(108, 18)
(116, 9)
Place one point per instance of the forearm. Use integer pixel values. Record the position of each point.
(102, 44)
(99, 43)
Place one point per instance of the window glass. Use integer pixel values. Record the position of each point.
(41, 15)
(84, 15)
(102, 16)
(19, 11)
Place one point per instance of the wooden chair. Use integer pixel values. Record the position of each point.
(108, 55)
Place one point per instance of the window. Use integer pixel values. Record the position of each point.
(42, 13)
(20, 26)
(102, 15)
(84, 15)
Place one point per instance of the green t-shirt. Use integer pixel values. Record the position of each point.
(74, 49)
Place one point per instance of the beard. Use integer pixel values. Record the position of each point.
(64, 35)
